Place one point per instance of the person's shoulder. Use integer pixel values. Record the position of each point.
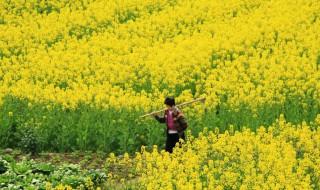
(177, 111)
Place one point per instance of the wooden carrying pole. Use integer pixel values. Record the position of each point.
(183, 104)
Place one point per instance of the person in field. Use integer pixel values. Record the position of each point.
(175, 122)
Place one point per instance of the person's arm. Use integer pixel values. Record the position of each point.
(160, 119)
(182, 121)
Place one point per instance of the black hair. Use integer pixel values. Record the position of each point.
(170, 101)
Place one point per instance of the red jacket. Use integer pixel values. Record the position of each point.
(179, 120)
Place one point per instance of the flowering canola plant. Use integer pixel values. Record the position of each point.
(103, 53)
(82, 71)
(284, 156)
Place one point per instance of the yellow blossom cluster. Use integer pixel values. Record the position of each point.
(126, 53)
(282, 156)
(88, 185)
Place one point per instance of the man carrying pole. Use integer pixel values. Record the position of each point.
(174, 120)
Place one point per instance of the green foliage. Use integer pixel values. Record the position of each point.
(44, 168)
(3, 166)
(29, 140)
(28, 174)
(119, 131)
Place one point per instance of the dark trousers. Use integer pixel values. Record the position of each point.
(171, 141)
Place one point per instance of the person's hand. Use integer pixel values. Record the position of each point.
(154, 113)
